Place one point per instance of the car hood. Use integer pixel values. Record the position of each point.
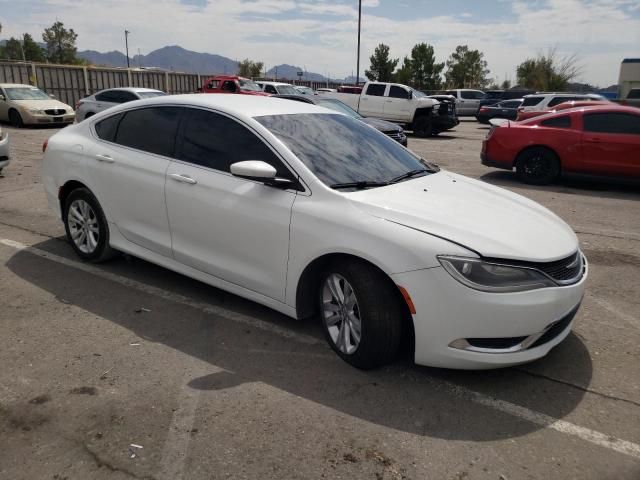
(491, 221)
(42, 104)
(381, 125)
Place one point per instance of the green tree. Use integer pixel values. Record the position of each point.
(404, 74)
(249, 68)
(548, 72)
(506, 85)
(12, 49)
(425, 72)
(32, 51)
(466, 69)
(61, 44)
(382, 66)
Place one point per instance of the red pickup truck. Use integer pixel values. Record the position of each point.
(231, 84)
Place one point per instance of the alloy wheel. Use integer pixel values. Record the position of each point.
(83, 226)
(341, 313)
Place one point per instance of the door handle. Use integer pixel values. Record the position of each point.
(104, 158)
(183, 178)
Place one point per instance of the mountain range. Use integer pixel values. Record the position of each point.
(176, 58)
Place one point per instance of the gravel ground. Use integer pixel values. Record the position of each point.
(128, 370)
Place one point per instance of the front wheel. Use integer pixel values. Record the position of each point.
(86, 226)
(422, 127)
(15, 119)
(537, 166)
(361, 314)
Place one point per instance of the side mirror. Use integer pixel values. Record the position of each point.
(261, 172)
(2, 97)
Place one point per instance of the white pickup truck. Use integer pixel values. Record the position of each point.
(400, 104)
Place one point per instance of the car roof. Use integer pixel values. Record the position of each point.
(266, 82)
(237, 105)
(130, 89)
(10, 85)
(595, 108)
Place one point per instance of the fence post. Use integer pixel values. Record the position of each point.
(34, 74)
(86, 81)
(199, 85)
(129, 77)
(166, 83)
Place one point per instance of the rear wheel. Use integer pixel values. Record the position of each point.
(422, 127)
(86, 226)
(15, 119)
(361, 314)
(538, 166)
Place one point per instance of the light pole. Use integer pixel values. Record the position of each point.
(126, 44)
(358, 62)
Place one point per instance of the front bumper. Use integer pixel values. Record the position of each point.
(449, 313)
(29, 118)
(485, 160)
(444, 122)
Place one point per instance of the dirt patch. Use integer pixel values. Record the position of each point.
(40, 399)
(84, 391)
(610, 258)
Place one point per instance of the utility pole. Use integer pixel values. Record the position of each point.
(139, 59)
(358, 62)
(126, 44)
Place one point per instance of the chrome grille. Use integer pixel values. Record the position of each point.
(565, 271)
(55, 111)
(396, 135)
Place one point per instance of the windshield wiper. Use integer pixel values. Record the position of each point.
(358, 185)
(409, 174)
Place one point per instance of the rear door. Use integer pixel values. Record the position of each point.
(128, 167)
(611, 143)
(469, 102)
(397, 104)
(372, 100)
(229, 227)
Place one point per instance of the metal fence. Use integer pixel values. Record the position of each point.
(71, 83)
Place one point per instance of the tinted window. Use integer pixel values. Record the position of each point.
(634, 93)
(558, 100)
(106, 129)
(150, 129)
(216, 141)
(376, 89)
(612, 123)
(557, 122)
(229, 86)
(110, 96)
(510, 104)
(398, 92)
(347, 150)
(493, 95)
(471, 95)
(531, 101)
(270, 89)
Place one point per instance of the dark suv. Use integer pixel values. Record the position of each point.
(491, 97)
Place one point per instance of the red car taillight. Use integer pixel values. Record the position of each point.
(78, 103)
(44, 145)
(483, 109)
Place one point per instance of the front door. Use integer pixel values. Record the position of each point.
(611, 143)
(372, 100)
(397, 104)
(129, 167)
(232, 228)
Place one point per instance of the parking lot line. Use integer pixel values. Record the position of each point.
(603, 440)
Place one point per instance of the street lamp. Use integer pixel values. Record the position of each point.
(358, 63)
(126, 44)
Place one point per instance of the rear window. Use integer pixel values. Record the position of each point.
(106, 129)
(612, 123)
(531, 101)
(557, 122)
(376, 89)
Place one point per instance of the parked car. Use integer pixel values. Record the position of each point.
(598, 140)
(491, 97)
(399, 104)
(104, 99)
(629, 82)
(317, 215)
(561, 106)
(278, 88)
(305, 90)
(4, 150)
(325, 90)
(543, 102)
(231, 84)
(632, 99)
(507, 109)
(27, 105)
(467, 101)
(447, 106)
(391, 130)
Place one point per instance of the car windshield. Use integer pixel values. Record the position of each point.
(417, 94)
(249, 85)
(340, 150)
(287, 90)
(305, 89)
(26, 93)
(150, 94)
(338, 106)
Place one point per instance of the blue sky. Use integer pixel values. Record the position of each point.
(321, 35)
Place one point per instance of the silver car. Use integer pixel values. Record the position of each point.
(4, 150)
(111, 97)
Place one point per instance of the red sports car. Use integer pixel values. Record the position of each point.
(598, 140)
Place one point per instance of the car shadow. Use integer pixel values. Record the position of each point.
(571, 184)
(418, 400)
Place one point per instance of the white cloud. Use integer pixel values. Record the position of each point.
(601, 32)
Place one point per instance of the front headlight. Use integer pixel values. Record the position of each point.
(35, 111)
(495, 278)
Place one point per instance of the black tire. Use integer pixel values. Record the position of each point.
(422, 127)
(102, 250)
(379, 309)
(538, 166)
(15, 119)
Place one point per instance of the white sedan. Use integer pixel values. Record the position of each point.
(89, 106)
(316, 214)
